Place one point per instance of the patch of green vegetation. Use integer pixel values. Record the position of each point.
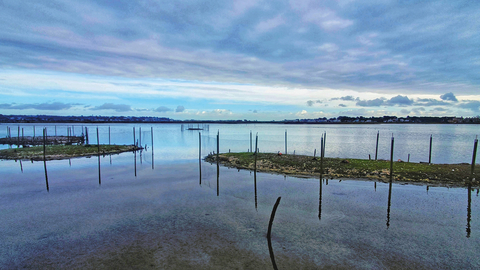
(63, 151)
(445, 174)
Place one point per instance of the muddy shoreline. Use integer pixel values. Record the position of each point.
(447, 175)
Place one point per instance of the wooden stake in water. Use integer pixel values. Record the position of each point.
(430, 151)
(251, 150)
(269, 233)
(86, 135)
(218, 160)
(474, 156)
(256, 147)
(324, 142)
(44, 156)
(109, 141)
(134, 136)
(98, 147)
(391, 160)
(140, 137)
(199, 155)
(376, 148)
(285, 141)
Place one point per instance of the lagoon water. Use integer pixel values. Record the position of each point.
(155, 210)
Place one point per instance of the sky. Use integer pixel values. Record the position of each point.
(241, 59)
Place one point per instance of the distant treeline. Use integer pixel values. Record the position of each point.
(150, 119)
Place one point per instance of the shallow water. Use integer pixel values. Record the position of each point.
(157, 212)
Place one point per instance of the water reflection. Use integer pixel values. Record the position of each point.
(320, 199)
(255, 185)
(389, 203)
(469, 209)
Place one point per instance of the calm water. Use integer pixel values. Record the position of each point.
(157, 211)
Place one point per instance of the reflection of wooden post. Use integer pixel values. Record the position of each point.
(469, 209)
(153, 159)
(430, 151)
(376, 148)
(269, 233)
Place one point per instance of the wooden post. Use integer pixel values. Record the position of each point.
(251, 150)
(86, 135)
(430, 151)
(200, 155)
(321, 158)
(269, 233)
(408, 158)
(109, 139)
(98, 146)
(18, 136)
(391, 160)
(34, 133)
(314, 153)
(324, 142)
(134, 136)
(140, 136)
(376, 148)
(256, 147)
(218, 160)
(55, 131)
(44, 158)
(475, 145)
(285, 141)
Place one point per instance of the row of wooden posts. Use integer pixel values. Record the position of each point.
(322, 151)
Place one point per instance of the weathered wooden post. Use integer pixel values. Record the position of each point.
(55, 131)
(98, 147)
(200, 156)
(408, 158)
(86, 135)
(391, 160)
(44, 156)
(376, 147)
(140, 137)
(109, 139)
(269, 233)
(251, 150)
(324, 142)
(474, 156)
(285, 141)
(430, 151)
(18, 136)
(134, 141)
(218, 160)
(33, 133)
(153, 158)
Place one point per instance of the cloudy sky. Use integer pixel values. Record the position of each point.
(241, 59)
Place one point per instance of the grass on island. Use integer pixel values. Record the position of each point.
(440, 174)
(63, 151)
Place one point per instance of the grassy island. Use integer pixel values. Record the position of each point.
(338, 168)
(63, 151)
